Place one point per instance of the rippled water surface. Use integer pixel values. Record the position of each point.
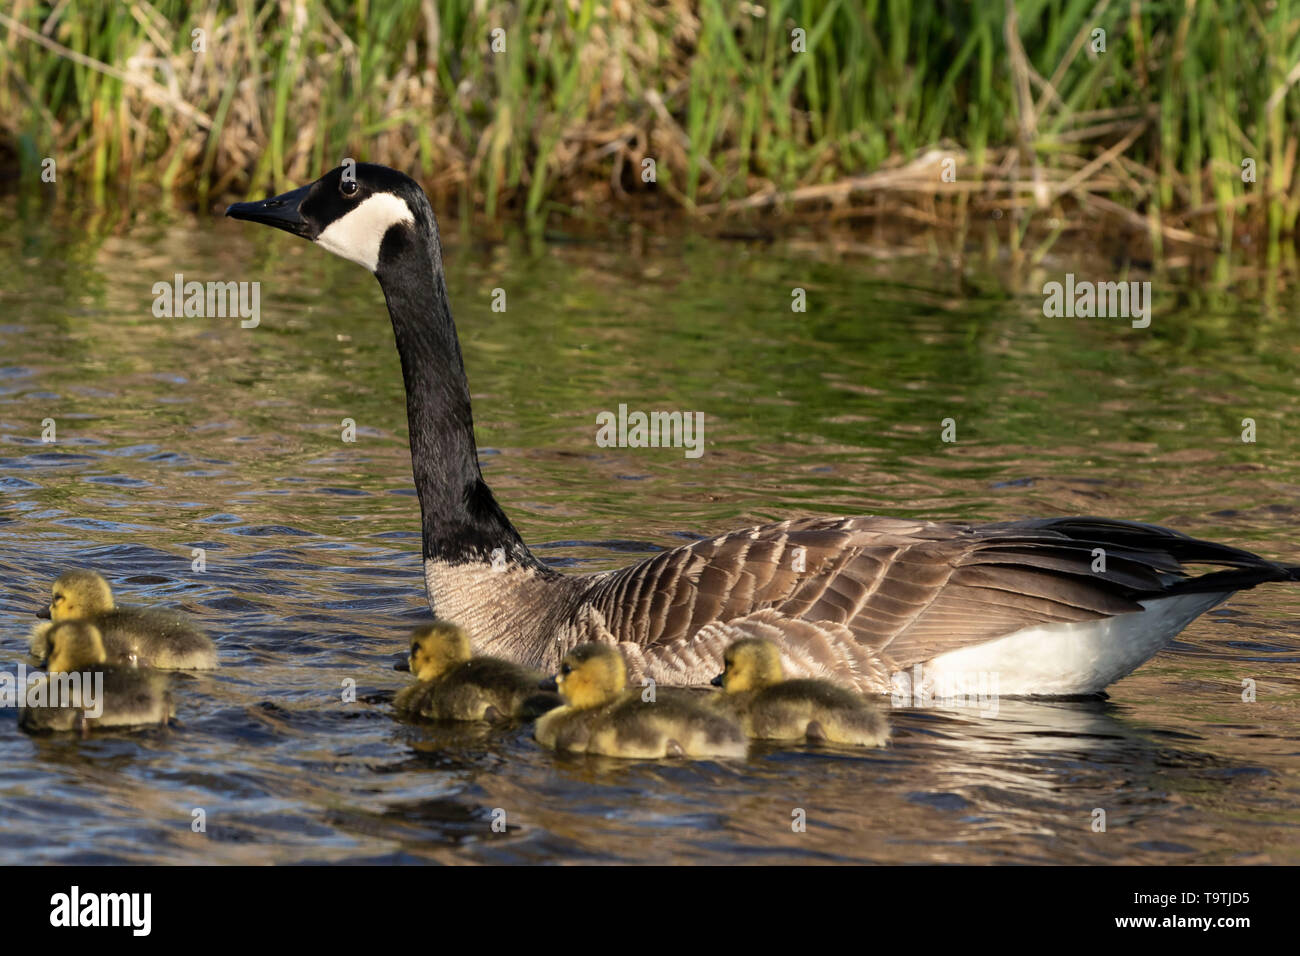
(176, 434)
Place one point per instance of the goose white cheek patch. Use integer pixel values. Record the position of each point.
(359, 234)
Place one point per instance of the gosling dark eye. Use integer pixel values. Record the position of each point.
(348, 187)
(565, 668)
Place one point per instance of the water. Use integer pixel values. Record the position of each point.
(175, 434)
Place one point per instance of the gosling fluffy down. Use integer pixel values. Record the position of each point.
(769, 707)
(451, 684)
(82, 691)
(132, 637)
(600, 716)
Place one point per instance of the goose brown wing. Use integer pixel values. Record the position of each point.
(901, 591)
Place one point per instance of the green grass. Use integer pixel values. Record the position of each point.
(710, 89)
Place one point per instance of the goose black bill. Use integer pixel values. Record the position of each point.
(282, 212)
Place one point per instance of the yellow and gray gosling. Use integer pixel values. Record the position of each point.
(135, 637)
(82, 691)
(769, 707)
(452, 684)
(600, 716)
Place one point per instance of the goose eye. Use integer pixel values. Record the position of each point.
(348, 187)
(565, 668)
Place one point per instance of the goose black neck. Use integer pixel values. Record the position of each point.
(461, 520)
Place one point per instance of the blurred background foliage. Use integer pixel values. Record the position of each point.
(1173, 117)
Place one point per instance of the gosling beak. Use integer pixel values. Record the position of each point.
(403, 665)
(282, 212)
(548, 684)
(717, 681)
(43, 613)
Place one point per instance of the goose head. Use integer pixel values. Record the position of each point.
(750, 664)
(590, 675)
(76, 595)
(75, 645)
(367, 213)
(436, 648)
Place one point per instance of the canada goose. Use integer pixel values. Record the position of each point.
(451, 684)
(600, 717)
(133, 636)
(1056, 606)
(769, 707)
(82, 690)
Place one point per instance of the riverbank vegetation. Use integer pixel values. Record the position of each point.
(1171, 122)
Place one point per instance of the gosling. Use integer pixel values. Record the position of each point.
(600, 717)
(454, 685)
(769, 707)
(135, 637)
(82, 690)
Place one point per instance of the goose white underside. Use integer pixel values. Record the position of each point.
(1068, 659)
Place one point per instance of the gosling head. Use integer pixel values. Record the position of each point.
(76, 595)
(436, 648)
(590, 675)
(367, 213)
(750, 664)
(74, 645)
